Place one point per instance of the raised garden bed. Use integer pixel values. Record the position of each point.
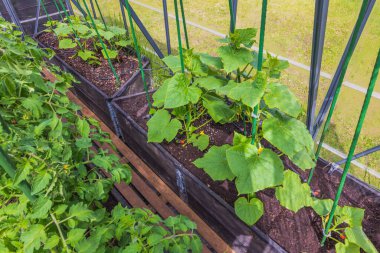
(97, 85)
(213, 200)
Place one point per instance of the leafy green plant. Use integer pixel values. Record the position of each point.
(221, 90)
(49, 145)
(347, 230)
(226, 89)
(70, 35)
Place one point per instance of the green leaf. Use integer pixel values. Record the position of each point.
(212, 61)
(210, 82)
(196, 245)
(66, 44)
(243, 36)
(357, 236)
(62, 30)
(249, 212)
(112, 54)
(108, 35)
(234, 58)
(81, 212)
(291, 137)
(83, 143)
(154, 239)
(214, 163)
(201, 141)
(194, 64)
(217, 108)
(123, 43)
(173, 62)
(322, 206)
(248, 92)
(75, 235)
(51, 242)
(41, 127)
(22, 173)
(83, 127)
(180, 92)
(293, 194)
(240, 139)
(249, 167)
(40, 182)
(33, 238)
(86, 55)
(41, 207)
(133, 248)
(159, 95)
(353, 216)
(60, 209)
(33, 104)
(279, 96)
(347, 248)
(161, 127)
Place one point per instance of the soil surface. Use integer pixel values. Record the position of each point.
(100, 74)
(295, 232)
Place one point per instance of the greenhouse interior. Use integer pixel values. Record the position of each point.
(148, 126)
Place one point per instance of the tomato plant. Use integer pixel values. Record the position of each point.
(49, 145)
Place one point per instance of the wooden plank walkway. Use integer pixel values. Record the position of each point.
(147, 190)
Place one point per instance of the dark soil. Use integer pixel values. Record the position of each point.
(101, 75)
(295, 232)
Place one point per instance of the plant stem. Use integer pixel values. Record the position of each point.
(60, 232)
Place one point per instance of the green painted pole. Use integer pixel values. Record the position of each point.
(138, 53)
(354, 142)
(101, 15)
(46, 12)
(339, 85)
(179, 36)
(232, 17)
(59, 11)
(184, 24)
(259, 64)
(101, 42)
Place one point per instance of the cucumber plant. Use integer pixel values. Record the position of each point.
(212, 89)
(226, 89)
(79, 31)
(50, 146)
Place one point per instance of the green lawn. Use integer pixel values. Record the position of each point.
(289, 34)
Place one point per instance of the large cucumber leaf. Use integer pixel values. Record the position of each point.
(161, 127)
(217, 108)
(279, 96)
(293, 194)
(291, 137)
(180, 92)
(249, 167)
(214, 163)
(234, 58)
